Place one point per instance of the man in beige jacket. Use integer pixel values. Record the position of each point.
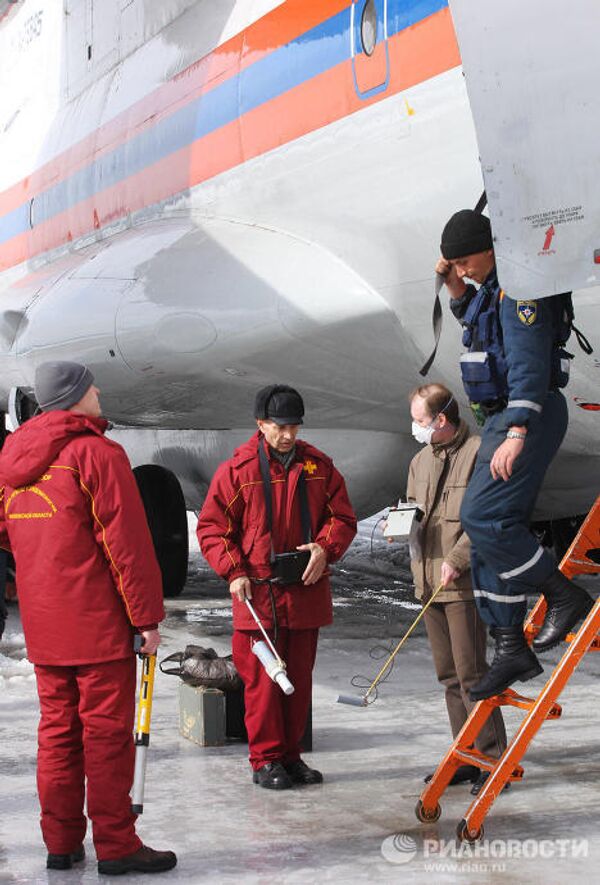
(437, 480)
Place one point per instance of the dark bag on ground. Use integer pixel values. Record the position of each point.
(202, 666)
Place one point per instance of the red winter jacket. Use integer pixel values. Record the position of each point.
(233, 535)
(71, 513)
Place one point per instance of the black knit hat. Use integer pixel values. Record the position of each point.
(279, 403)
(467, 233)
(60, 385)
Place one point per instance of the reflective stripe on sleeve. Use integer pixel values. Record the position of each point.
(476, 356)
(523, 404)
(497, 597)
(523, 568)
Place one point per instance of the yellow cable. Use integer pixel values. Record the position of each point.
(379, 676)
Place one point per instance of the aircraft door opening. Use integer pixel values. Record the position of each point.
(369, 47)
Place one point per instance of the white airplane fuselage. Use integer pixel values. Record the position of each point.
(200, 198)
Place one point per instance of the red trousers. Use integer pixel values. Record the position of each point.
(86, 732)
(275, 722)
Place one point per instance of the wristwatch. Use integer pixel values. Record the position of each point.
(514, 434)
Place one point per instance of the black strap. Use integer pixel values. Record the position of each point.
(304, 512)
(436, 321)
(582, 340)
(481, 203)
(172, 671)
(265, 472)
(437, 317)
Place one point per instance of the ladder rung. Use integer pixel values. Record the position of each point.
(481, 760)
(582, 557)
(510, 698)
(594, 646)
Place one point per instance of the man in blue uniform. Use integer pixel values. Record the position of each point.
(512, 372)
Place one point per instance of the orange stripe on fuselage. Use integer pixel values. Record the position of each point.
(424, 50)
(289, 21)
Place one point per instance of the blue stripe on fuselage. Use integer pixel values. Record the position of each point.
(300, 60)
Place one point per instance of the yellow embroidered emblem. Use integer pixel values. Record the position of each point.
(35, 514)
(309, 467)
(527, 312)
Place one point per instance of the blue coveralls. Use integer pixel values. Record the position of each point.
(524, 341)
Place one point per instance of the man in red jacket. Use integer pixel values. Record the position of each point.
(240, 540)
(88, 580)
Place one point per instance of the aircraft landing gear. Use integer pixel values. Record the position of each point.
(167, 517)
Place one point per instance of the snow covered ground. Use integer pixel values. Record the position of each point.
(359, 826)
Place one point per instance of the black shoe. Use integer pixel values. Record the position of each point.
(462, 775)
(474, 791)
(144, 860)
(65, 861)
(513, 662)
(300, 773)
(567, 603)
(272, 776)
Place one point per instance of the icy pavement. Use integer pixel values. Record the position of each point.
(201, 802)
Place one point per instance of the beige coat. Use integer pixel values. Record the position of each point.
(437, 480)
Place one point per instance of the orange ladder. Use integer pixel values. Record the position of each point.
(582, 557)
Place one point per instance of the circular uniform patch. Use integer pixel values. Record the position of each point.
(527, 312)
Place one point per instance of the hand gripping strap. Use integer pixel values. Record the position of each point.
(436, 317)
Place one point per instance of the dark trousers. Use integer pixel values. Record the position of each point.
(86, 733)
(457, 638)
(3, 609)
(275, 722)
(507, 561)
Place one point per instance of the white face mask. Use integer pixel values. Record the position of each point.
(423, 434)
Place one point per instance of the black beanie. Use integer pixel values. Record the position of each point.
(279, 403)
(467, 233)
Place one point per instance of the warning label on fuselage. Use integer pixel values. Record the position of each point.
(555, 216)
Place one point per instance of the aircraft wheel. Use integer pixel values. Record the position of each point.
(425, 815)
(167, 518)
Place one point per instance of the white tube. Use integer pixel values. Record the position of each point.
(272, 666)
(261, 628)
(139, 779)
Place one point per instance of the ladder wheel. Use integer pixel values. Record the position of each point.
(463, 833)
(425, 815)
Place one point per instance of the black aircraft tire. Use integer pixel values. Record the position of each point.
(166, 514)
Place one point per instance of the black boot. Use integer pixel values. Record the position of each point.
(300, 773)
(65, 861)
(463, 774)
(513, 662)
(476, 788)
(144, 860)
(272, 776)
(567, 603)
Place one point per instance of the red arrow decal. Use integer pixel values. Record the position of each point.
(548, 241)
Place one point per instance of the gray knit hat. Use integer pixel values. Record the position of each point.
(60, 385)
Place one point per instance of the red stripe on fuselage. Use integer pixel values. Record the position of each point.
(287, 22)
(423, 51)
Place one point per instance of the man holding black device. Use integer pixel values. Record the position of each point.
(276, 514)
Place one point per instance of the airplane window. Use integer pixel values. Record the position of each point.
(368, 27)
